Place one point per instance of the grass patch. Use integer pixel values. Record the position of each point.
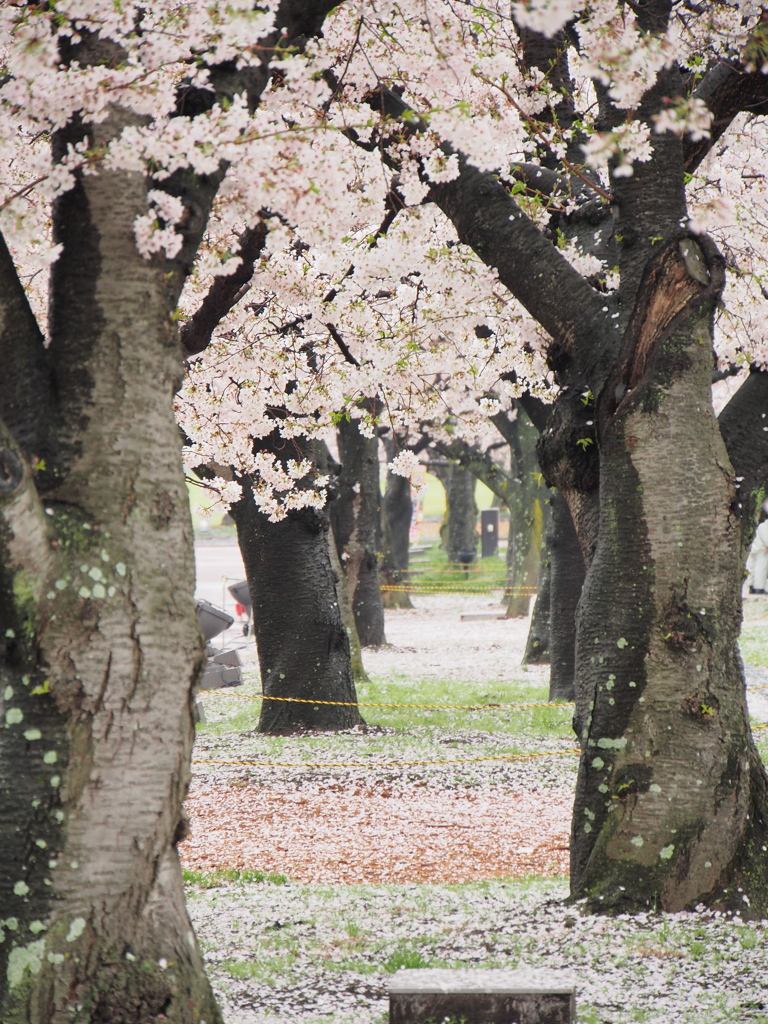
(407, 958)
(433, 571)
(229, 876)
(238, 715)
(267, 970)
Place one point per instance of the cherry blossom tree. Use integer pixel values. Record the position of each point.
(583, 185)
(120, 123)
(660, 692)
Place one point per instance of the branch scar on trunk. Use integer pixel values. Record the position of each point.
(685, 273)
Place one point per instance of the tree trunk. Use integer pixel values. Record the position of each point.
(526, 517)
(523, 558)
(304, 650)
(99, 647)
(537, 645)
(397, 513)
(459, 531)
(567, 569)
(672, 799)
(743, 424)
(355, 514)
(347, 615)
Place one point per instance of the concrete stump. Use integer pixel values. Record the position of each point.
(482, 997)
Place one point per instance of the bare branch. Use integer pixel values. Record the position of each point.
(727, 89)
(224, 293)
(342, 345)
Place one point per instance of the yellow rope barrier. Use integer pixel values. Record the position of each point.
(490, 589)
(389, 764)
(379, 704)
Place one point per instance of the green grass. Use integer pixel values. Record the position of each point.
(432, 570)
(410, 732)
(754, 634)
(405, 957)
(227, 876)
(544, 721)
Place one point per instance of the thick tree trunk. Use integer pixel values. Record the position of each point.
(303, 646)
(744, 426)
(347, 615)
(567, 579)
(523, 557)
(99, 649)
(355, 515)
(459, 531)
(397, 513)
(672, 799)
(537, 644)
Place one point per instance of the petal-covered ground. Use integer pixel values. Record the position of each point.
(350, 834)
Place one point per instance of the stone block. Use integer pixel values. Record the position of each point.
(434, 996)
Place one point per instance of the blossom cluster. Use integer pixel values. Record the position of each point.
(363, 289)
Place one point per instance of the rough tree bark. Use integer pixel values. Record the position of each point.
(744, 426)
(347, 615)
(99, 645)
(100, 648)
(537, 643)
(670, 780)
(303, 646)
(355, 515)
(458, 532)
(672, 800)
(567, 579)
(526, 514)
(396, 516)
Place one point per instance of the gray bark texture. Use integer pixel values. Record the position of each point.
(303, 646)
(355, 515)
(99, 645)
(396, 516)
(459, 530)
(672, 799)
(100, 648)
(347, 615)
(537, 643)
(524, 500)
(567, 571)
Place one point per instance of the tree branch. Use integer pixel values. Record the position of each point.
(223, 294)
(480, 465)
(489, 221)
(296, 21)
(727, 89)
(343, 348)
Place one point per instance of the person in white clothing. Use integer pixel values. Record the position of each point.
(757, 563)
